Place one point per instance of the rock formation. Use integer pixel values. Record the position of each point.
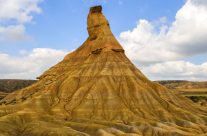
(97, 91)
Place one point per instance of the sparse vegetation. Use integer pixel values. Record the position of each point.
(10, 85)
(99, 94)
(183, 84)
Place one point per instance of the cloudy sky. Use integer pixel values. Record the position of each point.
(166, 39)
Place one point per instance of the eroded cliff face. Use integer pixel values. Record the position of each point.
(96, 90)
(100, 37)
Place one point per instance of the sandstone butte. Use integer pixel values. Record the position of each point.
(97, 91)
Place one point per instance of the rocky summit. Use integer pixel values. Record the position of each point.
(97, 91)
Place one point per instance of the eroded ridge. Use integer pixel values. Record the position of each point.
(97, 91)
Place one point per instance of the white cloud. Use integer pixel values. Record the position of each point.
(12, 33)
(200, 2)
(160, 47)
(19, 10)
(186, 36)
(28, 65)
(13, 15)
(176, 70)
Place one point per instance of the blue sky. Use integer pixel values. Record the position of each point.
(57, 27)
(71, 18)
(62, 25)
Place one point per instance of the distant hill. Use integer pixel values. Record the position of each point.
(196, 91)
(182, 84)
(10, 85)
(2, 95)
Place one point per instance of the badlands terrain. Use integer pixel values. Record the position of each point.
(97, 91)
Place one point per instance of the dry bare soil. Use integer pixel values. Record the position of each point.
(97, 91)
